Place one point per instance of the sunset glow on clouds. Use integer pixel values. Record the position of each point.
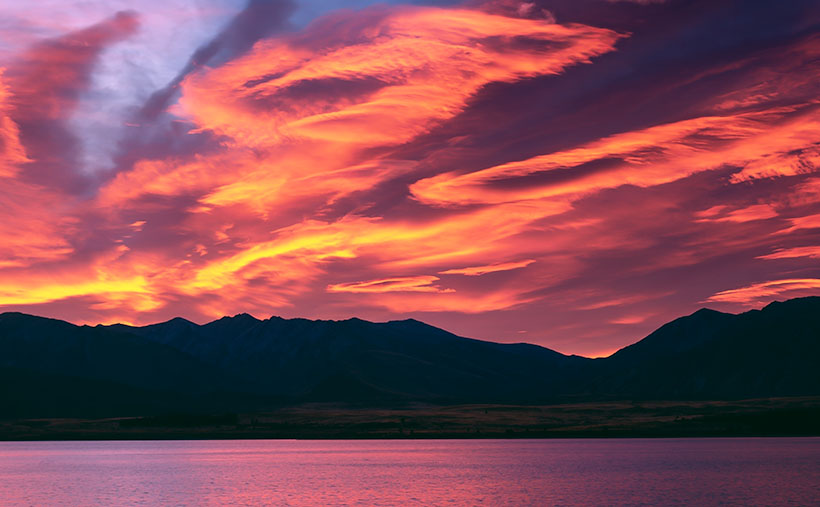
(579, 172)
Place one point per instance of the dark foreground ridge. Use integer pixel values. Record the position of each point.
(239, 377)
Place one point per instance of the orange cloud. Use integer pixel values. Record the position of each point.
(628, 320)
(648, 157)
(805, 194)
(409, 67)
(355, 163)
(756, 293)
(800, 160)
(295, 123)
(491, 268)
(109, 279)
(812, 252)
(397, 244)
(133, 291)
(740, 215)
(804, 222)
(397, 284)
(32, 227)
(164, 177)
(771, 141)
(453, 301)
(11, 150)
(307, 113)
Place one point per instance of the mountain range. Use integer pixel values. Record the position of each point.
(51, 368)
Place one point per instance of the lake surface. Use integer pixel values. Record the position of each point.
(739, 471)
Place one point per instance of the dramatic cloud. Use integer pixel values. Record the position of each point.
(754, 294)
(44, 85)
(645, 158)
(576, 173)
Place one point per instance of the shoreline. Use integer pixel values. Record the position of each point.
(770, 417)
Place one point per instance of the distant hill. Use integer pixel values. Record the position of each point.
(770, 352)
(53, 368)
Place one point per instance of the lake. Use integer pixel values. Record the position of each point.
(727, 471)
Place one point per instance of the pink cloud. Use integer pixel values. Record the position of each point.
(398, 284)
(481, 167)
(490, 268)
(812, 252)
(759, 293)
(740, 215)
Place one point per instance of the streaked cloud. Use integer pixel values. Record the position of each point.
(745, 214)
(492, 268)
(812, 252)
(759, 292)
(400, 284)
(805, 222)
(581, 172)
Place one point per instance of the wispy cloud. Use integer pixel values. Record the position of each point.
(760, 293)
(490, 268)
(581, 172)
(399, 284)
(812, 252)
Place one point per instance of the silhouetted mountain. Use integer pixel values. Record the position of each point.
(769, 352)
(394, 360)
(241, 362)
(54, 347)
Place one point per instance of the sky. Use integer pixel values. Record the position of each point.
(570, 173)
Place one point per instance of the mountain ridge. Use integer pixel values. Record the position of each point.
(241, 360)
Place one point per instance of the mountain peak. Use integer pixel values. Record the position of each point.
(239, 317)
(177, 322)
(244, 316)
(180, 320)
(706, 311)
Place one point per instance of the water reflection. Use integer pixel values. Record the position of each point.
(420, 472)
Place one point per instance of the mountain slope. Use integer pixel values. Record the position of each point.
(770, 352)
